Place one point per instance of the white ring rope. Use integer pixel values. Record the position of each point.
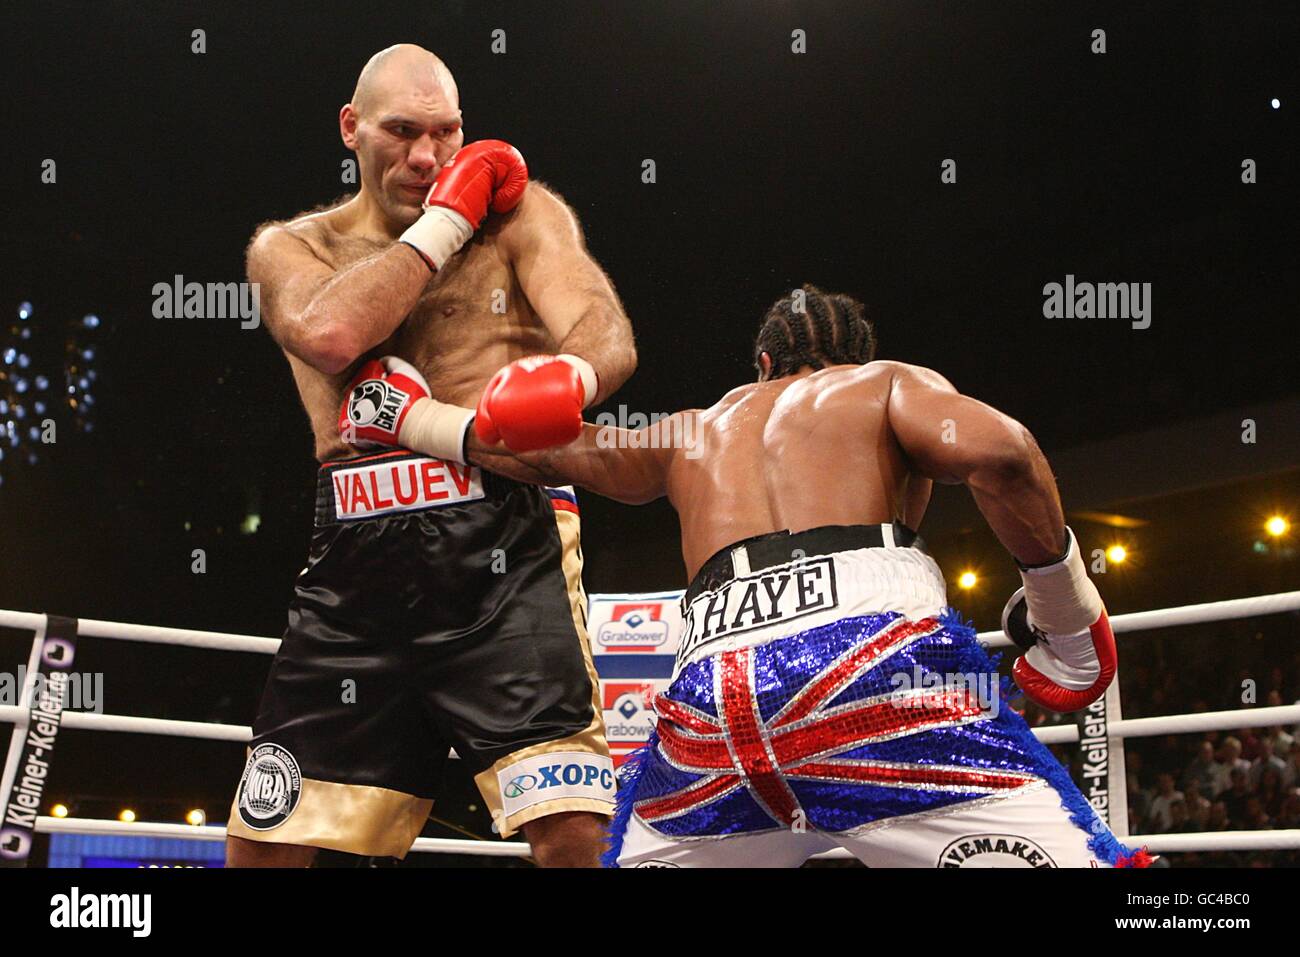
(1206, 841)
(220, 641)
(1179, 724)
(1054, 734)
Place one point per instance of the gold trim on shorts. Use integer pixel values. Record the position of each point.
(355, 818)
(591, 740)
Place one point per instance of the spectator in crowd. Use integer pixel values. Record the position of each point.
(1254, 818)
(1198, 806)
(1235, 798)
(1179, 822)
(1218, 818)
(1229, 757)
(1158, 816)
(1200, 773)
(1290, 814)
(1268, 758)
(1270, 791)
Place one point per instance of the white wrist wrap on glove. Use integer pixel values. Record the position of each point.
(438, 234)
(436, 428)
(587, 372)
(1062, 599)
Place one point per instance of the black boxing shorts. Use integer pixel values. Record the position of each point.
(441, 606)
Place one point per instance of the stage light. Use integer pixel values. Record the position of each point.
(1116, 554)
(42, 383)
(1275, 103)
(91, 321)
(967, 580)
(24, 310)
(196, 818)
(10, 355)
(127, 816)
(59, 810)
(1277, 526)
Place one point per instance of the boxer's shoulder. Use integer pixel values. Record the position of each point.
(882, 376)
(541, 212)
(319, 231)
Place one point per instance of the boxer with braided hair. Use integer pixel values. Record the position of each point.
(815, 329)
(822, 693)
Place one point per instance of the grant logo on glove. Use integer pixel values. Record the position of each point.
(379, 398)
(376, 403)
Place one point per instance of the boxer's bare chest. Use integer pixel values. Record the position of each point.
(472, 319)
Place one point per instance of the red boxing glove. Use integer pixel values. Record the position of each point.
(1059, 620)
(377, 401)
(535, 402)
(486, 173)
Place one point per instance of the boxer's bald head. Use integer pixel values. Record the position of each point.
(401, 70)
(404, 123)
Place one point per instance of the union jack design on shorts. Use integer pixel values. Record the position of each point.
(818, 728)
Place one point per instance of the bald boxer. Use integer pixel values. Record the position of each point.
(440, 606)
(820, 696)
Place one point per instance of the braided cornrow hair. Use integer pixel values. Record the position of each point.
(831, 329)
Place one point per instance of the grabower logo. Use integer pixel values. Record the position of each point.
(635, 628)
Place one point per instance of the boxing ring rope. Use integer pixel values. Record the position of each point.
(1204, 841)
(219, 641)
(1057, 734)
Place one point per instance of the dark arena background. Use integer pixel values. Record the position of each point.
(945, 163)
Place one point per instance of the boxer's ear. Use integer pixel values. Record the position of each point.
(348, 126)
(764, 366)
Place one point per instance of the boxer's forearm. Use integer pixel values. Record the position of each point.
(603, 336)
(520, 466)
(360, 307)
(596, 461)
(1019, 500)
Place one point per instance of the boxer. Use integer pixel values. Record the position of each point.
(786, 730)
(440, 606)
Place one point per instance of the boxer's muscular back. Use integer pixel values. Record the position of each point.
(794, 453)
(453, 335)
